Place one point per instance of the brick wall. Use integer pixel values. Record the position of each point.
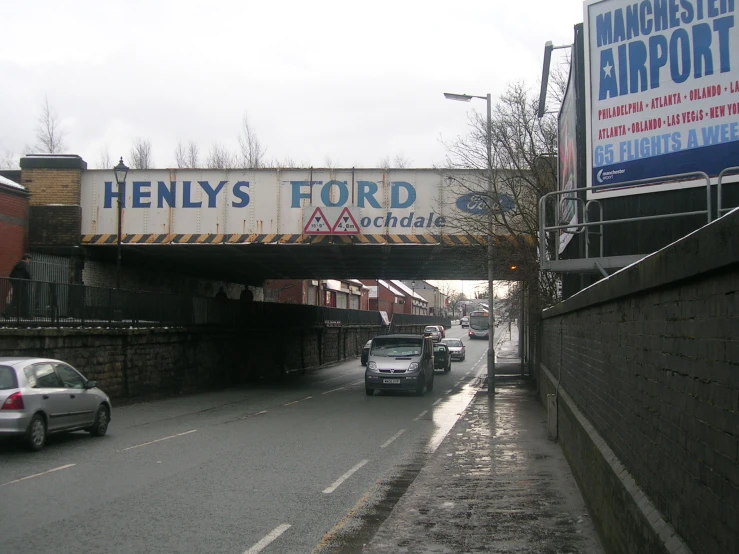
(13, 227)
(134, 362)
(649, 361)
(54, 225)
(53, 186)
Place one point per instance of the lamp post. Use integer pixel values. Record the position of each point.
(120, 178)
(491, 176)
(413, 295)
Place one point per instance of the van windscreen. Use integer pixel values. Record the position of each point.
(396, 346)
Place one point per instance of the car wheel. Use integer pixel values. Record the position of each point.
(102, 418)
(448, 368)
(36, 433)
(368, 391)
(430, 386)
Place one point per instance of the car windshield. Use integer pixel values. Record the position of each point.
(430, 329)
(452, 342)
(479, 322)
(7, 378)
(397, 346)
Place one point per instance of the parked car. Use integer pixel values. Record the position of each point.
(400, 362)
(442, 357)
(442, 330)
(365, 352)
(465, 321)
(433, 332)
(457, 349)
(41, 396)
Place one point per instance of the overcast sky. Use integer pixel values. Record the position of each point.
(351, 81)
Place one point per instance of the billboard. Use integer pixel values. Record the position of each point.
(276, 201)
(662, 91)
(567, 159)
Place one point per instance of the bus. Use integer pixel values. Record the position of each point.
(479, 325)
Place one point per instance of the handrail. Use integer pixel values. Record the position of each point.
(545, 261)
(719, 188)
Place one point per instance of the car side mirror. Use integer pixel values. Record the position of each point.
(91, 384)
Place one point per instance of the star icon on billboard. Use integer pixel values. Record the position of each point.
(607, 69)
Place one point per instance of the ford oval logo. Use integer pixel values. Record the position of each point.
(474, 203)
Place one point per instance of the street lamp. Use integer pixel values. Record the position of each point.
(120, 178)
(491, 176)
(413, 296)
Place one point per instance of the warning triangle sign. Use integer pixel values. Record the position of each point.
(346, 224)
(317, 224)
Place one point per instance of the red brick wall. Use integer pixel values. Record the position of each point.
(13, 227)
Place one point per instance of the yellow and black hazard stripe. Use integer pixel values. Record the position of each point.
(277, 238)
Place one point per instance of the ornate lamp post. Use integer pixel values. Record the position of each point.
(120, 178)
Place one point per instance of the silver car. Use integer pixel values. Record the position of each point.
(39, 396)
(457, 349)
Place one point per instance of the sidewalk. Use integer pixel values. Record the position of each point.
(496, 484)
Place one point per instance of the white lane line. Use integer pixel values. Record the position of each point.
(391, 439)
(37, 474)
(435, 403)
(291, 403)
(159, 440)
(357, 382)
(333, 390)
(340, 480)
(458, 383)
(450, 390)
(254, 414)
(276, 532)
(419, 416)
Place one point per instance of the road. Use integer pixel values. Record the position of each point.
(307, 465)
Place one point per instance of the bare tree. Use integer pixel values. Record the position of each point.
(329, 163)
(252, 150)
(401, 161)
(220, 157)
(187, 155)
(8, 160)
(49, 132)
(522, 164)
(104, 159)
(140, 154)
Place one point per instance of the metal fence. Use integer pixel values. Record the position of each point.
(49, 304)
(415, 319)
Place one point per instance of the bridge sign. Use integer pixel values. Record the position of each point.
(317, 224)
(345, 224)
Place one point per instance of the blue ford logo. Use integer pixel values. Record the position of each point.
(474, 203)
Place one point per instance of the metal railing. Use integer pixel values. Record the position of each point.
(583, 225)
(46, 304)
(404, 320)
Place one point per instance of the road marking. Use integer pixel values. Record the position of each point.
(435, 403)
(276, 532)
(457, 383)
(37, 474)
(159, 440)
(340, 480)
(419, 416)
(450, 390)
(357, 382)
(391, 439)
(254, 414)
(332, 390)
(291, 403)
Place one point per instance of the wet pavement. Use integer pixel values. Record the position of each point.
(496, 484)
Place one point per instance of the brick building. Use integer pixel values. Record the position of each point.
(385, 297)
(414, 302)
(13, 224)
(336, 293)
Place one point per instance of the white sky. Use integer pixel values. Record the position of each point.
(351, 81)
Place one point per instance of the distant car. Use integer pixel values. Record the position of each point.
(365, 352)
(442, 357)
(465, 321)
(433, 332)
(40, 396)
(443, 331)
(457, 349)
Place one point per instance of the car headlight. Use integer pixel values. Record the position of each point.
(413, 366)
(372, 365)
